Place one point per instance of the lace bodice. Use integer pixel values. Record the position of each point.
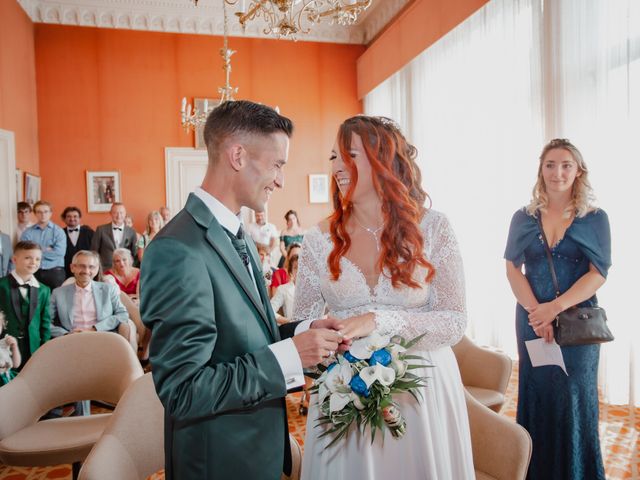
(438, 309)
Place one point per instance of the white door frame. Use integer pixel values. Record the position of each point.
(8, 195)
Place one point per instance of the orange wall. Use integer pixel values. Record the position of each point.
(18, 111)
(418, 27)
(109, 100)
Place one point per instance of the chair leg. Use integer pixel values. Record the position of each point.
(75, 470)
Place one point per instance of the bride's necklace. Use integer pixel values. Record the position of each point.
(372, 231)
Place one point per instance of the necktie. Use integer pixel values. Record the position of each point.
(240, 245)
(25, 285)
(118, 228)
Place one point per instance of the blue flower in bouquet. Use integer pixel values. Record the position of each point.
(382, 356)
(350, 358)
(331, 366)
(359, 387)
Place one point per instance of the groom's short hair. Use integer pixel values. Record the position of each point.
(241, 116)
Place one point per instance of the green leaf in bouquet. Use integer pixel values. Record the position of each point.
(414, 341)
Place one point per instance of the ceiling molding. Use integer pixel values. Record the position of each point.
(182, 16)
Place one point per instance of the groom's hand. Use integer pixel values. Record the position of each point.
(334, 324)
(316, 344)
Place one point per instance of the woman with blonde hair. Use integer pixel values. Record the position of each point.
(154, 225)
(125, 274)
(384, 263)
(560, 411)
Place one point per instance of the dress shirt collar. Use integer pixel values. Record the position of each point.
(32, 281)
(224, 216)
(88, 288)
(48, 225)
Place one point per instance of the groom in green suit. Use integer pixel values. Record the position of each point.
(220, 367)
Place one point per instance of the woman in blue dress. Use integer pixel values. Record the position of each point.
(559, 411)
(292, 234)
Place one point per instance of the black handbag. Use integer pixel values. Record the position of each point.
(576, 325)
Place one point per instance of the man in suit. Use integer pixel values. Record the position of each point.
(220, 367)
(6, 252)
(87, 305)
(114, 235)
(79, 237)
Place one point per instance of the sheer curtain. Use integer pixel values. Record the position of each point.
(479, 105)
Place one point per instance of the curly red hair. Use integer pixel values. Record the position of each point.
(397, 180)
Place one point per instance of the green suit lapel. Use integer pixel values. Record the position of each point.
(220, 242)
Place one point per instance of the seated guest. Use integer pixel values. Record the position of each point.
(25, 301)
(280, 276)
(165, 213)
(78, 236)
(6, 252)
(267, 269)
(154, 224)
(8, 366)
(284, 294)
(114, 235)
(24, 220)
(53, 243)
(88, 305)
(125, 274)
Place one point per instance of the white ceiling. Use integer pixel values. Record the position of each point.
(182, 16)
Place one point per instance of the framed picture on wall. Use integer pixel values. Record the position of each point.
(19, 186)
(199, 104)
(31, 188)
(318, 188)
(103, 189)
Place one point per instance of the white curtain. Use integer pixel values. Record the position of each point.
(480, 104)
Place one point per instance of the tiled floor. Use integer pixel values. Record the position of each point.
(619, 433)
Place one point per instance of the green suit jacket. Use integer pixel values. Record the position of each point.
(39, 323)
(221, 386)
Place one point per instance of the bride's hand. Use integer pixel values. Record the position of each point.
(359, 326)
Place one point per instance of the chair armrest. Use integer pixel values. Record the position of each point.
(501, 447)
(484, 368)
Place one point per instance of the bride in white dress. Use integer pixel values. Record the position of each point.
(383, 262)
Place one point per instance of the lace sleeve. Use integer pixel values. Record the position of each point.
(444, 317)
(309, 304)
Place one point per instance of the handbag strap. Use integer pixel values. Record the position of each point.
(554, 278)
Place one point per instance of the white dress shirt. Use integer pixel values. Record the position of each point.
(31, 282)
(284, 350)
(73, 236)
(117, 234)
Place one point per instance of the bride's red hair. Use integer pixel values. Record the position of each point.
(397, 180)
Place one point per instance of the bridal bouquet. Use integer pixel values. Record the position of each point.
(359, 386)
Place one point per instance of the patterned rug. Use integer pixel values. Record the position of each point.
(619, 435)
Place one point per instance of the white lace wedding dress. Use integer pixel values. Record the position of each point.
(437, 444)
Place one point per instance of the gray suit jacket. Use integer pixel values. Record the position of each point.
(5, 256)
(109, 308)
(104, 243)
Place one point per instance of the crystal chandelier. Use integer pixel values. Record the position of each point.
(288, 18)
(192, 118)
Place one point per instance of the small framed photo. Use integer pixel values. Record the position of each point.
(31, 188)
(19, 186)
(199, 104)
(103, 189)
(318, 188)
